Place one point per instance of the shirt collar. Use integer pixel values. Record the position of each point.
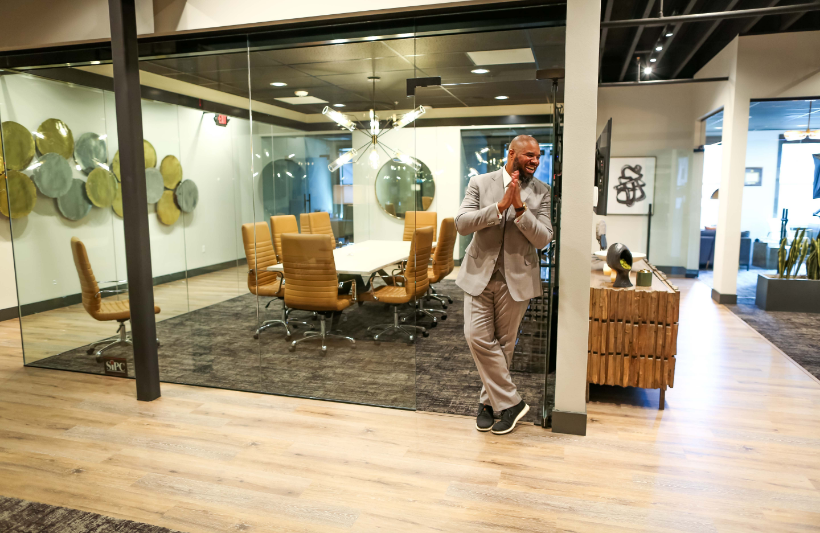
(507, 178)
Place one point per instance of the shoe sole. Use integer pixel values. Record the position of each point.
(523, 412)
(483, 429)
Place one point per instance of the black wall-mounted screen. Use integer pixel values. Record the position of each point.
(602, 149)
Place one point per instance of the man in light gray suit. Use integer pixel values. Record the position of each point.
(508, 213)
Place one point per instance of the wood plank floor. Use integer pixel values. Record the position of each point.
(737, 449)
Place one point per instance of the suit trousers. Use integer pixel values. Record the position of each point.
(491, 322)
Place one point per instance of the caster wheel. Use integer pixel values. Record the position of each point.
(288, 337)
(291, 348)
(353, 343)
(450, 300)
(444, 306)
(158, 344)
(255, 335)
(434, 324)
(425, 334)
(412, 338)
(324, 351)
(444, 317)
(90, 351)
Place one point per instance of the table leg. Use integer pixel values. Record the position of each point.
(662, 398)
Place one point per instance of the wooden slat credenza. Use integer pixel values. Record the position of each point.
(633, 333)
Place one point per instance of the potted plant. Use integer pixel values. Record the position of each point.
(789, 291)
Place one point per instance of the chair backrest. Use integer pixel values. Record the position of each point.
(443, 258)
(317, 224)
(280, 224)
(88, 283)
(419, 219)
(311, 282)
(416, 270)
(259, 253)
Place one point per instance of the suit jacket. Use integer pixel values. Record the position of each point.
(478, 215)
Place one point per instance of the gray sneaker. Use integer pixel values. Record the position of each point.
(510, 417)
(484, 420)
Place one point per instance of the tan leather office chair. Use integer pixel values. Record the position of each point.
(259, 252)
(280, 224)
(95, 306)
(414, 283)
(442, 265)
(317, 224)
(312, 283)
(419, 219)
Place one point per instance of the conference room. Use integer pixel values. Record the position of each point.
(301, 206)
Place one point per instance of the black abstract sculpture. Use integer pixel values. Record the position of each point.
(619, 259)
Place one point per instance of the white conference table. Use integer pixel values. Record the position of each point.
(365, 258)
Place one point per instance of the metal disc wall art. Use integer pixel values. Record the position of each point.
(101, 188)
(167, 210)
(74, 205)
(18, 145)
(18, 193)
(171, 171)
(154, 186)
(117, 204)
(187, 196)
(90, 151)
(53, 175)
(53, 136)
(150, 159)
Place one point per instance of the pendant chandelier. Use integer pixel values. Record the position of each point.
(799, 135)
(375, 133)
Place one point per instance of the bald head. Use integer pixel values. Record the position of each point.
(524, 156)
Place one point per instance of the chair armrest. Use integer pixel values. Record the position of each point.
(115, 281)
(112, 291)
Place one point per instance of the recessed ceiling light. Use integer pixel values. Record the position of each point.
(338, 105)
(658, 48)
(279, 84)
(480, 71)
(647, 70)
(95, 62)
(652, 60)
(371, 38)
(501, 97)
(502, 57)
(669, 34)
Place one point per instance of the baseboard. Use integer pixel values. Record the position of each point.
(569, 423)
(691, 273)
(72, 299)
(673, 270)
(725, 299)
(8, 314)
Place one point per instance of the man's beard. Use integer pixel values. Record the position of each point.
(523, 177)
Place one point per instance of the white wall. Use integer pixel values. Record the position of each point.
(210, 155)
(438, 148)
(758, 202)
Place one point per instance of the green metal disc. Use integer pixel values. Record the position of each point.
(150, 159)
(90, 151)
(187, 196)
(54, 136)
(74, 205)
(53, 175)
(171, 171)
(167, 210)
(18, 145)
(101, 187)
(18, 192)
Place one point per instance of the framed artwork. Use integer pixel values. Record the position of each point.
(754, 177)
(631, 185)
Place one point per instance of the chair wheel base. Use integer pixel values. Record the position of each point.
(291, 348)
(449, 300)
(288, 337)
(412, 338)
(444, 317)
(255, 335)
(425, 334)
(90, 351)
(323, 350)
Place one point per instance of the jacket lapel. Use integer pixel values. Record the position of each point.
(497, 186)
(525, 191)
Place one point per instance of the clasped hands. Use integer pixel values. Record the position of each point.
(512, 196)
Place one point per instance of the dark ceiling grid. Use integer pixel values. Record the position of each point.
(638, 32)
(676, 29)
(712, 26)
(607, 16)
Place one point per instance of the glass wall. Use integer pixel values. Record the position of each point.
(254, 157)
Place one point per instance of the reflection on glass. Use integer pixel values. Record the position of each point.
(405, 184)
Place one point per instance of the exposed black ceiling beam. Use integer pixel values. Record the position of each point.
(716, 16)
(751, 24)
(661, 82)
(607, 16)
(789, 20)
(638, 33)
(704, 37)
(676, 29)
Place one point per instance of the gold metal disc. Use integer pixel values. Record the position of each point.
(17, 191)
(101, 187)
(54, 136)
(117, 203)
(18, 145)
(171, 171)
(167, 210)
(150, 159)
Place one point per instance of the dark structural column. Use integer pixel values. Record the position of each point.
(134, 201)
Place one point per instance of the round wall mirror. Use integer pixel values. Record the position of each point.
(403, 186)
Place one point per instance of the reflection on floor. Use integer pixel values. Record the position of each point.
(214, 346)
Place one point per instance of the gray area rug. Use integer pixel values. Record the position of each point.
(20, 516)
(214, 347)
(797, 334)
